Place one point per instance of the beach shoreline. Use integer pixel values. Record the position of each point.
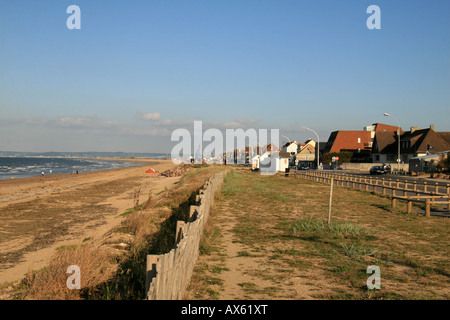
(142, 161)
(40, 214)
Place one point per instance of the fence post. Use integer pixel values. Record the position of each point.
(425, 187)
(415, 186)
(437, 188)
(179, 232)
(409, 210)
(192, 210)
(152, 260)
(448, 196)
(427, 207)
(393, 202)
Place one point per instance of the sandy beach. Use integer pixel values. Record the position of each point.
(43, 213)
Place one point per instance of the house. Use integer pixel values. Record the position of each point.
(290, 147)
(413, 143)
(307, 153)
(270, 148)
(427, 163)
(262, 162)
(358, 142)
(283, 161)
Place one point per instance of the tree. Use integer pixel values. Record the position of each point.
(344, 156)
(443, 164)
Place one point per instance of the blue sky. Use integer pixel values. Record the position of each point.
(137, 70)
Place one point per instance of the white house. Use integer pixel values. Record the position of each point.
(280, 164)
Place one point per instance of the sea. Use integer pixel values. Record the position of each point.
(15, 167)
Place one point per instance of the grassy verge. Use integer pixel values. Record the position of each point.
(287, 250)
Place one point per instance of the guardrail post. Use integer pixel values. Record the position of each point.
(409, 208)
(393, 202)
(437, 188)
(425, 187)
(415, 186)
(448, 196)
(427, 207)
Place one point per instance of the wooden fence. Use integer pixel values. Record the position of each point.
(168, 275)
(410, 191)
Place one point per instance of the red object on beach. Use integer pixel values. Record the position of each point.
(151, 170)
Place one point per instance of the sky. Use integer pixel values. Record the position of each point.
(138, 70)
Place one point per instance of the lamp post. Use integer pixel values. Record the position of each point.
(398, 137)
(317, 146)
(289, 140)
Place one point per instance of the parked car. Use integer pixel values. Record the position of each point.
(303, 167)
(380, 170)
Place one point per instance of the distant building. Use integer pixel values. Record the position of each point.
(427, 163)
(290, 147)
(414, 143)
(307, 153)
(360, 143)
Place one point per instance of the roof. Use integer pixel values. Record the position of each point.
(348, 141)
(445, 136)
(420, 139)
(270, 147)
(385, 127)
(308, 149)
(430, 156)
(386, 142)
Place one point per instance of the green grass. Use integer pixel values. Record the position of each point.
(284, 220)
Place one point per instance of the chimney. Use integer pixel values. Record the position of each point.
(432, 127)
(414, 129)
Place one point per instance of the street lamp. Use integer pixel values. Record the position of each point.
(289, 140)
(317, 146)
(398, 137)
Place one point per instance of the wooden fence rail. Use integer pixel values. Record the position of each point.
(168, 275)
(411, 191)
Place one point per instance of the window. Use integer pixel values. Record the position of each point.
(359, 140)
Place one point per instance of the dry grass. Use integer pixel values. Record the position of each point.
(119, 274)
(280, 227)
(95, 264)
